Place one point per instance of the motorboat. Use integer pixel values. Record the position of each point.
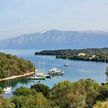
(55, 71)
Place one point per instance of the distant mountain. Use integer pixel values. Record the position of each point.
(55, 39)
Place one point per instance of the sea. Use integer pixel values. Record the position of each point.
(74, 72)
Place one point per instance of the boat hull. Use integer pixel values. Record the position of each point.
(7, 90)
(36, 78)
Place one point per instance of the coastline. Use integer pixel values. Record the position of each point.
(88, 60)
(18, 76)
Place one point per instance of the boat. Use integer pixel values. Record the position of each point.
(55, 71)
(7, 89)
(37, 76)
(48, 76)
(66, 64)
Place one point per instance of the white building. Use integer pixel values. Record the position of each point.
(81, 54)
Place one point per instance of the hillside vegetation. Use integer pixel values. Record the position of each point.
(90, 54)
(12, 65)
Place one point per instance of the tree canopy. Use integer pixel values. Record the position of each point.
(81, 94)
(11, 65)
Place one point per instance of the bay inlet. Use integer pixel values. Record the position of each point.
(75, 71)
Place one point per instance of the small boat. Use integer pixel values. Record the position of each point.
(55, 71)
(7, 89)
(66, 64)
(37, 76)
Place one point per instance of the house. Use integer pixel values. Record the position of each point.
(81, 54)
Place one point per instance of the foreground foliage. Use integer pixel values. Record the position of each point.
(101, 105)
(81, 94)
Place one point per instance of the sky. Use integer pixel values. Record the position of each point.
(29, 16)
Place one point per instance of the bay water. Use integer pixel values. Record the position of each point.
(75, 71)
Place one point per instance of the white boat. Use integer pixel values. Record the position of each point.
(37, 76)
(7, 89)
(66, 64)
(55, 71)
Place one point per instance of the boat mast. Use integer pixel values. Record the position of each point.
(43, 63)
(39, 66)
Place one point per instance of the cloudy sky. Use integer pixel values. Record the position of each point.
(28, 16)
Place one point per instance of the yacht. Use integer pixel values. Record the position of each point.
(55, 71)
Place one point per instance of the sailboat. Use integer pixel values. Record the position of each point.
(66, 64)
(7, 89)
(38, 75)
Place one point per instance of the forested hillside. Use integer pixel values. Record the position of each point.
(11, 65)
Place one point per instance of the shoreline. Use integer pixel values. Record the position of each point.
(87, 60)
(18, 76)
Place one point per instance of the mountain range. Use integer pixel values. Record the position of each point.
(56, 39)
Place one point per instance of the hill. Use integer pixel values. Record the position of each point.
(11, 66)
(55, 39)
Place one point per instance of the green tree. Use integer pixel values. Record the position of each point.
(41, 88)
(24, 91)
(101, 105)
(103, 93)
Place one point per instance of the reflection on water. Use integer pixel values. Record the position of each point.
(76, 70)
(14, 82)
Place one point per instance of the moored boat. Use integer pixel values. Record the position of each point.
(7, 89)
(48, 76)
(66, 64)
(55, 71)
(37, 76)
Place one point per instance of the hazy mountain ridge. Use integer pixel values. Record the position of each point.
(55, 39)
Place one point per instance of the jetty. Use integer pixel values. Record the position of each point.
(17, 76)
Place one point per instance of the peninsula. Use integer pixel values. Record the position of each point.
(12, 67)
(89, 54)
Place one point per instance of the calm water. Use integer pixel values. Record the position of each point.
(76, 70)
